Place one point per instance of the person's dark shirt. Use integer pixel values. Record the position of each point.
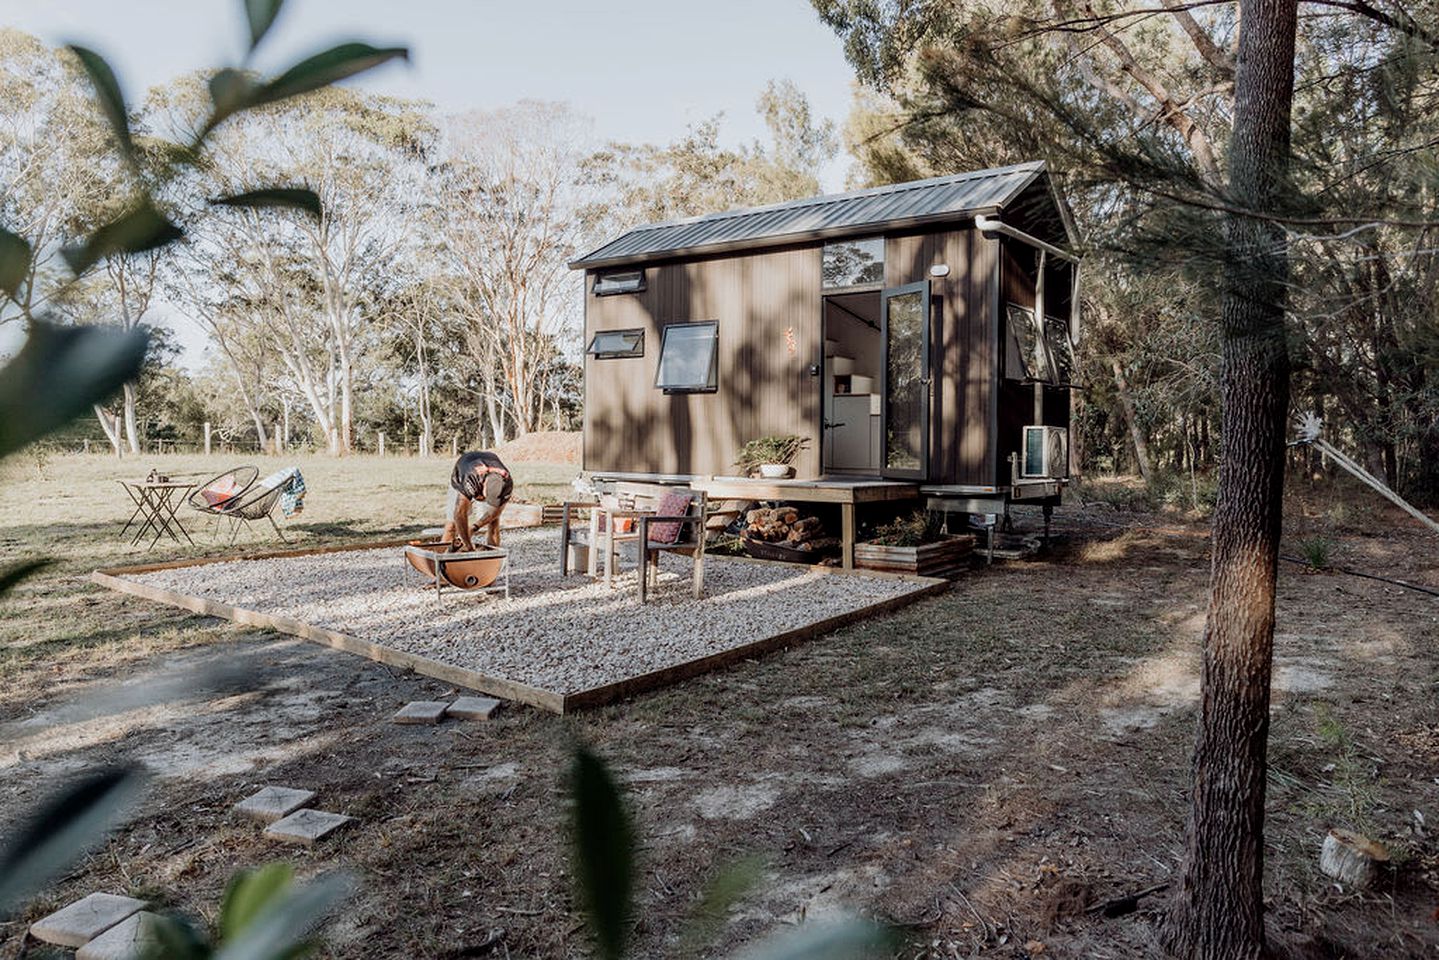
(473, 468)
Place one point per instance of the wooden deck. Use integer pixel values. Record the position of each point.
(844, 492)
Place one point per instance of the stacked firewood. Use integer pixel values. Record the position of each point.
(787, 526)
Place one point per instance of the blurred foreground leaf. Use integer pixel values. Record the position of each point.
(285, 918)
(249, 893)
(724, 890)
(603, 851)
(62, 830)
(58, 374)
(294, 198)
(107, 91)
(261, 16)
(847, 939)
(323, 69)
(143, 227)
(14, 574)
(14, 261)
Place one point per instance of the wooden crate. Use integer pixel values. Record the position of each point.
(927, 560)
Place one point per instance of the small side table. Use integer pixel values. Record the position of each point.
(157, 503)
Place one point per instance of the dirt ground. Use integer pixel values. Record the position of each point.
(986, 768)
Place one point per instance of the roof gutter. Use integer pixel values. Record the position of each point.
(990, 224)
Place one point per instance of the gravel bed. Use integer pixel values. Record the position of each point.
(562, 634)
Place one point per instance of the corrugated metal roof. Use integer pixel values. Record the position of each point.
(838, 214)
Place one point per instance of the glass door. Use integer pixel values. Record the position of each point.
(904, 315)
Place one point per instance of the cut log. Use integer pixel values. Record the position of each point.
(1351, 859)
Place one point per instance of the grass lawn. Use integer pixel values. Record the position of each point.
(985, 767)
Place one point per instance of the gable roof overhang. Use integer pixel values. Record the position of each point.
(887, 209)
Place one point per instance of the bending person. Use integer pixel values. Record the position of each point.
(481, 479)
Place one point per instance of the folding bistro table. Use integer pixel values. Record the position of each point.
(156, 504)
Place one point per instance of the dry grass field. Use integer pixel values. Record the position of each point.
(986, 768)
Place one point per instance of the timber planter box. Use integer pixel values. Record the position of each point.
(926, 560)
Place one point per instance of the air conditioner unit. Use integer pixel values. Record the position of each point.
(1046, 453)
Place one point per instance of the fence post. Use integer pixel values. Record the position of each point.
(382, 443)
(454, 446)
(279, 440)
(207, 438)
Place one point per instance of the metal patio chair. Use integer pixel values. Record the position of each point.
(233, 483)
(255, 504)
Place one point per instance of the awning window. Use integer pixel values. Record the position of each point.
(619, 281)
(689, 357)
(617, 344)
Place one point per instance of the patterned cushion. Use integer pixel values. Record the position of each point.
(671, 505)
(220, 491)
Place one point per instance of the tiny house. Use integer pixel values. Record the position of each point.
(921, 332)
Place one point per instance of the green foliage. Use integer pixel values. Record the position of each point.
(292, 198)
(61, 830)
(1353, 788)
(58, 374)
(773, 449)
(330, 66)
(916, 529)
(141, 228)
(14, 262)
(603, 865)
(731, 885)
(261, 16)
(107, 92)
(603, 852)
(1317, 552)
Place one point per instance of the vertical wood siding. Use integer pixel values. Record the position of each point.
(764, 383)
(764, 388)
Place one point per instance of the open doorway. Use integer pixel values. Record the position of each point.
(853, 373)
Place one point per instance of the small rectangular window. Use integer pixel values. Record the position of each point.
(617, 344)
(623, 281)
(852, 263)
(689, 357)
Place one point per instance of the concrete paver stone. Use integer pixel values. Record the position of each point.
(85, 919)
(272, 803)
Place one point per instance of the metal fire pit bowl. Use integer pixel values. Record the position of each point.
(483, 571)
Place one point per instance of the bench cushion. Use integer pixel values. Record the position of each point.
(670, 505)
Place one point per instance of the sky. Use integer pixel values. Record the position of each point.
(643, 70)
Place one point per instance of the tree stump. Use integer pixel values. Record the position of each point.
(1351, 859)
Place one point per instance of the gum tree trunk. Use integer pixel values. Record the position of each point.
(1217, 910)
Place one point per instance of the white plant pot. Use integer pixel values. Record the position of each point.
(774, 471)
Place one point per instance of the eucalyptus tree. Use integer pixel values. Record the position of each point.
(305, 281)
(55, 167)
(697, 174)
(514, 196)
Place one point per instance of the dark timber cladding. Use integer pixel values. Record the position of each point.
(758, 276)
(767, 308)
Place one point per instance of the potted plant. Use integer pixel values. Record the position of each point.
(770, 457)
(915, 544)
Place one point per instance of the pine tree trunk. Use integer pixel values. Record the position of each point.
(1217, 911)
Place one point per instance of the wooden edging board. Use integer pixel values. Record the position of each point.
(113, 578)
